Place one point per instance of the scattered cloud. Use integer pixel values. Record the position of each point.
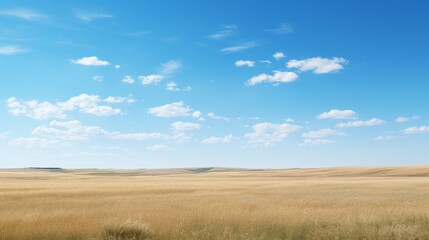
(369, 123)
(318, 65)
(111, 99)
(266, 61)
(184, 126)
(172, 86)
(117, 66)
(68, 131)
(276, 78)
(11, 50)
(158, 147)
(414, 130)
(282, 29)
(197, 114)
(385, 138)
(84, 103)
(406, 119)
(241, 63)
(26, 14)
(289, 120)
(227, 30)
(214, 116)
(137, 136)
(240, 47)
(4, 135)
(322, 133)
(151, 79)
(278, 55)
(170, 67)
(31, 142)
(226, 139)
(175, 109)
(97, 78)
(128, 79)
(311, 141)
(338, 114)
(90, 16)
(266, 134)
(91, 61)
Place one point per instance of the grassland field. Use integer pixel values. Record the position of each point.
(215, 203)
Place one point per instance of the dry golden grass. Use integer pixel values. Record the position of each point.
(332, 203)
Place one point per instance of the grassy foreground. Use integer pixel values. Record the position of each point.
(334, 203)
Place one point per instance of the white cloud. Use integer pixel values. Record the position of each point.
(240, 47)
(214, 116)
(4, 135)
(172, 86)
(68, 131)
(97, 78)
(176, 109)
(317, 64)
(266, 61)
(90, 16)
(184, 126)
(111, 99)
(406, 119)
(158, 147)
(322, 133)
(290, 120)
(151, 79)
(170, 66)
(369, 123)
(385, 138)
(31, 142)
(11, 50)
(241, 63)
(282, 29)
(128, 79)
(278, 77)
(338, 114)
(317, 141)
(197, 114)
(226, 31)
(227, 139)
(91, 61)
(26, 14)
(278, 55)
(84, 103)
(117, 66)
(265, 134)
(414, 130)
(34, 109)
(138, 136)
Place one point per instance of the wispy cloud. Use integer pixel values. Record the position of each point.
(318, 65)
(226, 139)
(11, 50)
(240, 47)
(241, 63)
(284, 28)
(369, 123)
(26, 14)
(226, 31)
(414, 130)
(90, 16)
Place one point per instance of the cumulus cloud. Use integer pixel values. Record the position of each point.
(175, 109)
(284, 28)
(241, 63)
(26, 14)
(414, 130)
(240, 47)
(90, 61)
(172, 86)
(184, 126)
(84, 103)
(311, 141)
(90, 16)
(338, 114)
(138, 136)
(117, 66)
(318, 65)
(276, 78)
(128, 79)
(11, 50)
(406, 119)
(278, 55)
(226, 31)
(266, 134)
(369, 123)
(214, 116)
(226, 139)
(322, 133)
(151, 79)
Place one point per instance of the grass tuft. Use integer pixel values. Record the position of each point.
(129, 230)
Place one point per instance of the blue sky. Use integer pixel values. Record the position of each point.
(256, 84)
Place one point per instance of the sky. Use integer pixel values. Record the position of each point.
(251, 84)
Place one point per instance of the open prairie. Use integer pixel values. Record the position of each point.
(215, 203)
